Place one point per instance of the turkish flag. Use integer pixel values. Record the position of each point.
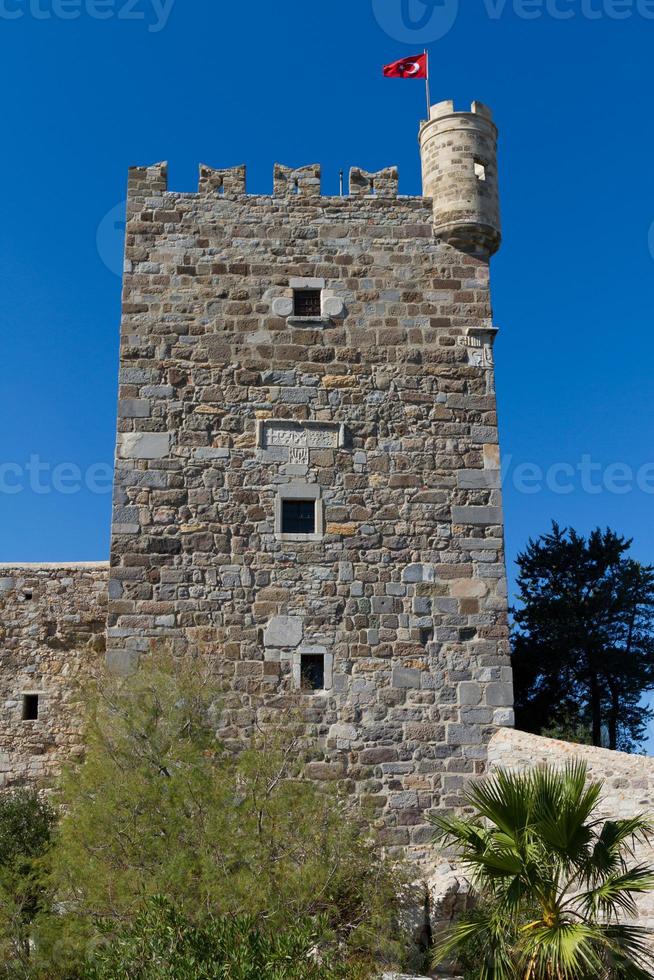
(407, 68)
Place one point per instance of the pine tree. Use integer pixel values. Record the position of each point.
(583, 647)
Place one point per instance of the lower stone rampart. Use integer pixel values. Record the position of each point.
(52, 630)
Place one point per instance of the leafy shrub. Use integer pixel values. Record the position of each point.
(162, 944)
(26, 827)
(159, 809)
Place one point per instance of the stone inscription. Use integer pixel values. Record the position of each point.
(300, 438)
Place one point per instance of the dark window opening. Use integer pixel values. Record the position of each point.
(27, 595)
(312, 671)
(306, 302)
(426, 635)
(296, 186)
(220, 190)
(372, 186)
(298, 517)
(30, 707)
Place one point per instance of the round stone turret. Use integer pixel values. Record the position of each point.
(459, 172)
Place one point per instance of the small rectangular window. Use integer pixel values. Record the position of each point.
(480, 170)
(298, 517)
(306, 302)
(312, 671)
(30, 707)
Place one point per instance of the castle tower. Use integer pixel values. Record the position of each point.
(307, 488)
(459, 173)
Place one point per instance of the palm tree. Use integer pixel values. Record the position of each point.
(553, 882)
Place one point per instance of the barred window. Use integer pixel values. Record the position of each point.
(298, 517)
(306, 302)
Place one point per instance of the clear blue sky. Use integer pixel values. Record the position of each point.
(93, 86)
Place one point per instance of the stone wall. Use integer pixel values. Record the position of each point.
(52, 626)
(628, 781)
(382, 410)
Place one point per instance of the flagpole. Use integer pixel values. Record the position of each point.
(427, 86)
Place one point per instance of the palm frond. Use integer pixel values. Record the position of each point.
(564, 949)
(488, 935)
(629, 950)
(503, 800)
(617, 840)
(615, 892)
(555, 880)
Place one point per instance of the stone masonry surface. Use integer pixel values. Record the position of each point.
(380, 413)
(52, 630)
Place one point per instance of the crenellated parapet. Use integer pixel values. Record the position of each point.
(289, 183)
(459, 177)
(144, 181)
(300, 182)
(381, 183)
(229, 182)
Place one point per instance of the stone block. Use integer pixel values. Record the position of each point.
(477, 515)
(469, 692)
(401, 801)
(373, 757)
(134, 408)
(499, 695)
(479, 479)
(504, 717)
(283, 631)
(122, 662)
(406, 677)
(144, 445)
(457, 734)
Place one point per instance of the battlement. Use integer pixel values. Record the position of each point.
(459, 175)
(446, 108)
(289, 183)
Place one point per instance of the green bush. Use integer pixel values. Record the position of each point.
(26, 827)
(162, 944)
(160, 810)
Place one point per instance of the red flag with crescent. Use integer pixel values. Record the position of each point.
(415, 67)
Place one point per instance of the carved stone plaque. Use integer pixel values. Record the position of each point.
(480, 352)
(298, 454)
(299, 437)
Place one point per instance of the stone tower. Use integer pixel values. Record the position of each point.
(307, 482)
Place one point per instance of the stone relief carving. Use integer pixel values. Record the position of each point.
(299, 437)
(480, 354)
